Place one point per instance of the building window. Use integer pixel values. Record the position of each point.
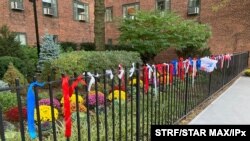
(163, 5)
(130, 9)
(21, 37)
(193, 7)
(109, 14)
(81, 11)
(16, 5)
(50, 7)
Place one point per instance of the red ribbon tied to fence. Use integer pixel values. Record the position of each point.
(146, 78)
(171, 71)
(66, 95)
(181, 71)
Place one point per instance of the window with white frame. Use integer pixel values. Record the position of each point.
(16, 4)
(129, 10)
(49, 7)
(21, 37)
(109, 14)
(163, 5)
(193, 7)
(81, 11)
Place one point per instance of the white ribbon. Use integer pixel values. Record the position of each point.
(222, 61)
(110, 73)
(132, 70)
(228, 57)
(150, 71)
(92, 80)
(194, 71)
(186, 65)
(155, 84)
(176, 65)
(121, 72)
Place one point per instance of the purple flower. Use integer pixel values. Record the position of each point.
(46, 101)
(92, 98)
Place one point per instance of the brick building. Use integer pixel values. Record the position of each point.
(72, 20)
(68, 20)
(229, 21)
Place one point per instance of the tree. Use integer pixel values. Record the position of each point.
(11, 74)
(150, 32)
(49, 51)
(99, 25)
(8, 45)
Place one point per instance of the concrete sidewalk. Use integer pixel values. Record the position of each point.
(232, 107)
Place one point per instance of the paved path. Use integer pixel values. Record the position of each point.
(232, 107)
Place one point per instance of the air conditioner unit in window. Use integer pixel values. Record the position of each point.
(82, 17)
(48, 11)
(16, 5)
(193, 10)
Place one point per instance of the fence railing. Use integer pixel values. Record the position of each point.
(117, 109)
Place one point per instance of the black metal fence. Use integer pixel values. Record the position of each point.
(119, 109)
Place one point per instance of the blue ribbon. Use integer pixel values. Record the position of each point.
(175, 64)
(198, 64)
(31, 108)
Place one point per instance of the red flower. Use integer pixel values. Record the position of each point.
(13, 114)
(117, 88)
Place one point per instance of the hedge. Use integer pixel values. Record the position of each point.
(18, 63)
(79, 61)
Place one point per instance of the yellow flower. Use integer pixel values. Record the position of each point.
(134, 82)
(164, 79)
(73, 99)
(45, 113)
(116, 95)
(82, 108)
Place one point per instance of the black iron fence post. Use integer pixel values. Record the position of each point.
(248, 59)
(36, 28)
(137, 102)
(37, 112)
(223, 75)
(209, 84)
(186, 94)
(77, 111)
(20, 110)
(52, 109)
(1, 125)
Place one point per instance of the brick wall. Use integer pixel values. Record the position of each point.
(64, 26)
(230, 24)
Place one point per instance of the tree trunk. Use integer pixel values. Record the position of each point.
(99, 25)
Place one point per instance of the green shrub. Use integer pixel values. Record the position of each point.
(8, 100)
(68, 46)
(162, 30)
(79, 61)
(11, 74)
(30, 58)
(18, 63)
(8, 45)
(247, 72)
(87, 46)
